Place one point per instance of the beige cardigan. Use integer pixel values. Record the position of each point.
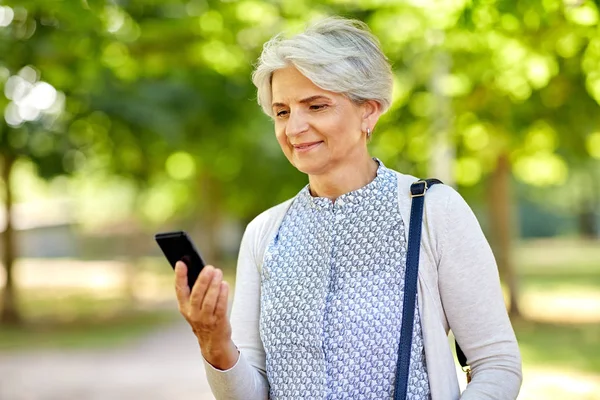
(459, 289)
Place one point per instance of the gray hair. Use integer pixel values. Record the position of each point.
(337, 54)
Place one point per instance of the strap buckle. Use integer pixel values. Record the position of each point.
(418, 188)
(467, 371)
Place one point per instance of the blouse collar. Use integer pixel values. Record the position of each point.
(368, 192)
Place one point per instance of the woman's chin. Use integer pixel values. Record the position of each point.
(310, 166)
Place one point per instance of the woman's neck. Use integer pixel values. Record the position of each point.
(346, 178)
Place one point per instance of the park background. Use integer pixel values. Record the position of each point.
(127, 117)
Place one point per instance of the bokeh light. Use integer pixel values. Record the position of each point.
(181, 165)
(541, 169)
(593, 144)
(6, 15)
(467, 171)
(30, 98)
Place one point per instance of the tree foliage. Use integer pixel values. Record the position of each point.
(159, 92)
(145, 80)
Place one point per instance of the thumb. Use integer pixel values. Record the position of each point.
(181, 283)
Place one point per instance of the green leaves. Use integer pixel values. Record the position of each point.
(161, 92)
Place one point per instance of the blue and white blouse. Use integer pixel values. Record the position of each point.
(331, 298)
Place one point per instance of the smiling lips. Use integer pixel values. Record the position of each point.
(304, 147)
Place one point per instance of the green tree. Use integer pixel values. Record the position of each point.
(45, 57)
(523, 84)
(159, 92)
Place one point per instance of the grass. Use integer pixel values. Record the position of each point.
(565, 346)
(70, 316)
(82, 333)
(588, 280)
(560, 339)
(75, 318)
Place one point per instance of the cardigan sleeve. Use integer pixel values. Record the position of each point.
(246, 380)
(472, 300)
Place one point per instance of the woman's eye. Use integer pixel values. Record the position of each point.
(318, 106)
(281, 113)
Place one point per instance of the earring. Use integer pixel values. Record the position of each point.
(368, 133)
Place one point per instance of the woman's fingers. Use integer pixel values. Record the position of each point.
(210, 299)
(205, 308)
(222, 300)
(201, 286)
(181, 285)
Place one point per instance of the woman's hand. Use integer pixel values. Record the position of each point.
(205, 309)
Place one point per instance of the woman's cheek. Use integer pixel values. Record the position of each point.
(283, 142)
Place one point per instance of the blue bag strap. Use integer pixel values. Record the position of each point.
(417, 193)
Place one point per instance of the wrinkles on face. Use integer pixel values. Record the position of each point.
(315, 128)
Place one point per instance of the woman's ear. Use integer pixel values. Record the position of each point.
(371, 113)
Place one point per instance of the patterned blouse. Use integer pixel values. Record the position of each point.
(331, 298)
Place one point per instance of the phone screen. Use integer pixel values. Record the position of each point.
(177, 246)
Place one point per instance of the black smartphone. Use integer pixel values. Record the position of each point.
(177, 246)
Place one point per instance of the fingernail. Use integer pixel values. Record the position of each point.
(216, 276)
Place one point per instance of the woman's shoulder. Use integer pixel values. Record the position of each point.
(269, 218)
(439, 197)
(262, 228)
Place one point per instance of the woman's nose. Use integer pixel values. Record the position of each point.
(296, 124)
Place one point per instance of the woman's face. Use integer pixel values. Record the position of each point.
(317, 130)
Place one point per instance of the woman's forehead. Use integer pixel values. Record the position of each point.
(289, 85)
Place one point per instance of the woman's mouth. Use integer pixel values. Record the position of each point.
(305, 147)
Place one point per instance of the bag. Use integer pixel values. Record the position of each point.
(417, 193)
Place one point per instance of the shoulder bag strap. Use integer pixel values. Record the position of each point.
(417, 193)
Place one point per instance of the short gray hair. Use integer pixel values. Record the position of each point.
(337, 54)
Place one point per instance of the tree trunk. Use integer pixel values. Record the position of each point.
(588, 228)
(443, 154)
(588, 204)
(210, 220)
(9, 314)
(501, 218)
(132, 266)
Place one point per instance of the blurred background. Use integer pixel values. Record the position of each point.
(123, 118)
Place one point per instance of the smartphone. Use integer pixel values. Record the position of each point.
(177, 246)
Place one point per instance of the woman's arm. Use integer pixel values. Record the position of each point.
(246, 380)
(474, 306)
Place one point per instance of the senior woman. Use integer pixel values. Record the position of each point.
(320, 278)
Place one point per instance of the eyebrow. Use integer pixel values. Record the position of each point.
(304, 101)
